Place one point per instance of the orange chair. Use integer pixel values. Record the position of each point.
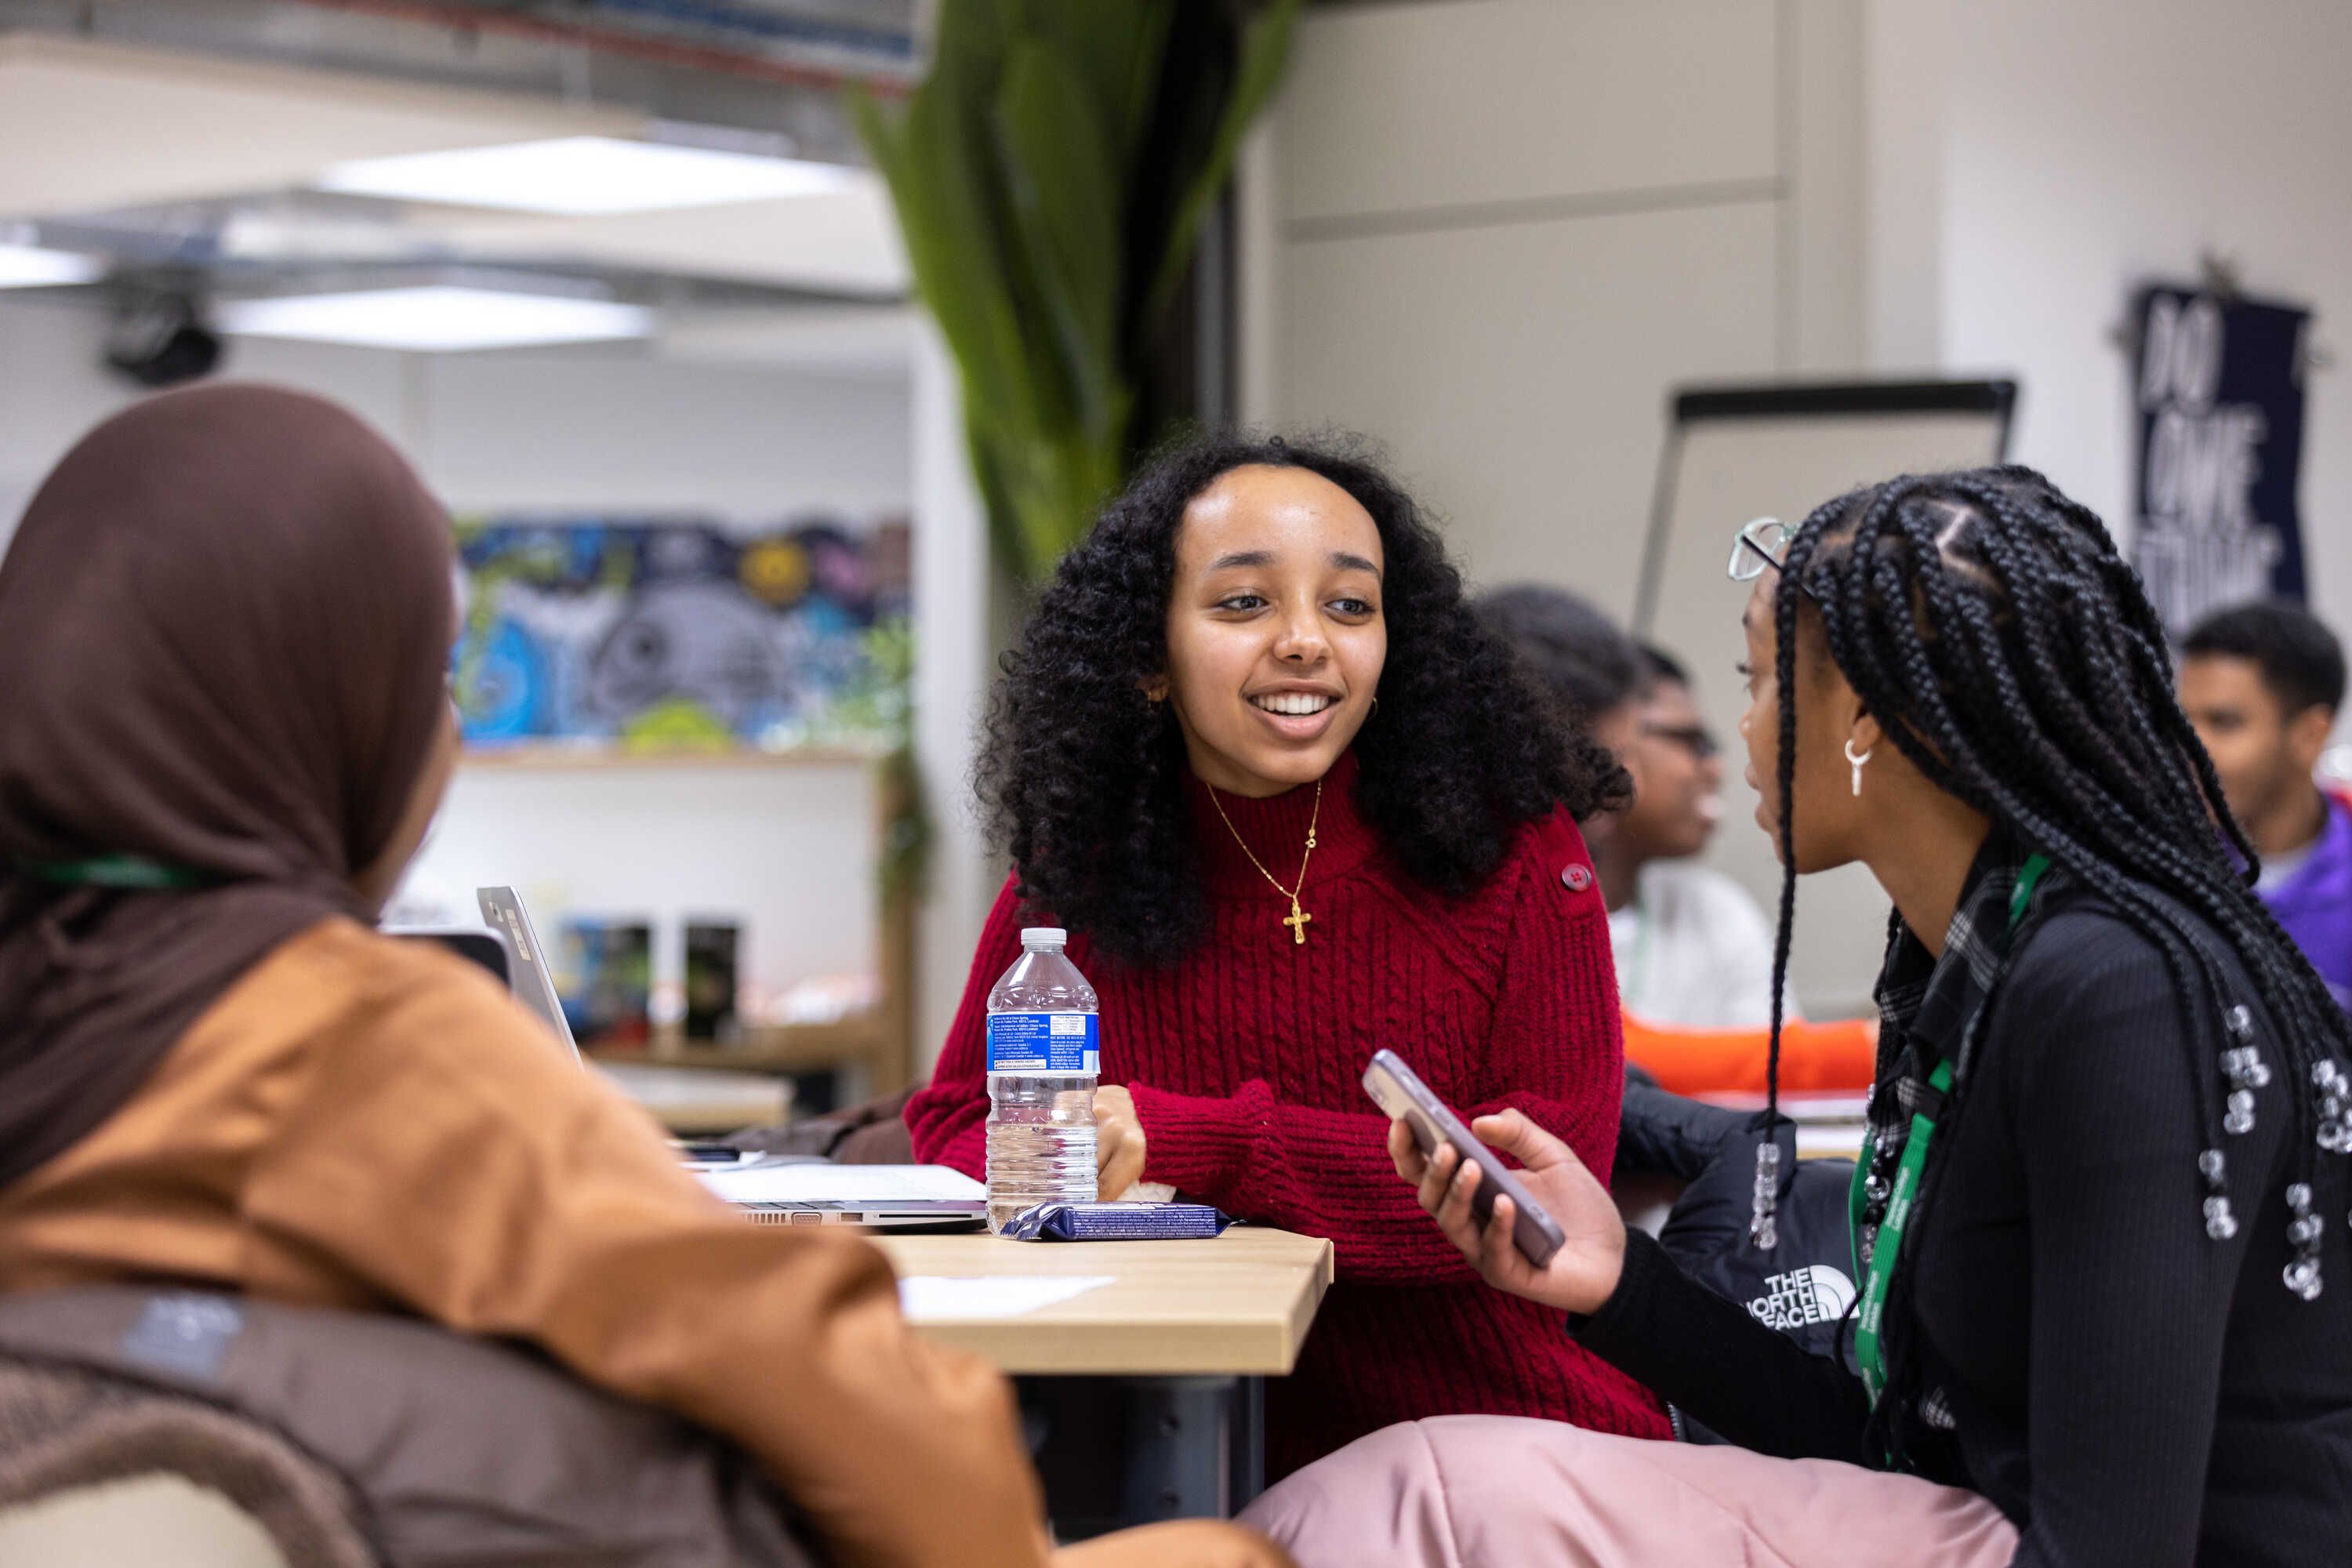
(1813, 1057)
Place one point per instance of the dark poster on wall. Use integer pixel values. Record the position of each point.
(2219, 388)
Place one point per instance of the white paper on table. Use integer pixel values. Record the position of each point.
(1836, 1140)
(930, 1298)
(817, 1183)
(1800, 1106)
(1826, 1108)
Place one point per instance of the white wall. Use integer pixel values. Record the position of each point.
(952, 671)
(2075, 148)
(1494, 234)
(1492, 231)
(790, 847)
(786, 848)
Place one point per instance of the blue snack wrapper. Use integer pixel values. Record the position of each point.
(1119, 1222)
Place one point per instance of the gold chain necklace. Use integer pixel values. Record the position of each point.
(1298, 918)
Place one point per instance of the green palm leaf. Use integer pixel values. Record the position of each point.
(1028, 172)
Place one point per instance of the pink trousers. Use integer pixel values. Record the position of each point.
(1495, 1491)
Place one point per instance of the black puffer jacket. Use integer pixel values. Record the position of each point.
(1804, 1287)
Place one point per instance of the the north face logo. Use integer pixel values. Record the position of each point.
(1819, 1294)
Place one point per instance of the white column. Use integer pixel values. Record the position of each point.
(1907, 48)
(1257, 271)
(1822, 207)
(951, 676)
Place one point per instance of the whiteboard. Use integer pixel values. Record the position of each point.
(1736, 453)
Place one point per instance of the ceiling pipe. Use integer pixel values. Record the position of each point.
(612, 41)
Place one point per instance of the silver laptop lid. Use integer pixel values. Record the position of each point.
(533, 982)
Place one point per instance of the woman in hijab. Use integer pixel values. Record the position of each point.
(224, 622)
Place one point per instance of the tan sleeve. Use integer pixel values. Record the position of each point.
(453, 1160)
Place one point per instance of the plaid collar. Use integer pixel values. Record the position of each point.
(1929, 1010)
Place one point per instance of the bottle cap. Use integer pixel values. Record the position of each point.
(1043, 936)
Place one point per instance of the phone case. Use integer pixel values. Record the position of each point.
(1398, 1089)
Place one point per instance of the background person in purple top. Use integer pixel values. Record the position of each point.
(2261, 683)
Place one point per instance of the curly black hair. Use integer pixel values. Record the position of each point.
(1082, 774)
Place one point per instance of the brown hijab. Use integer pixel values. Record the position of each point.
(225, 625)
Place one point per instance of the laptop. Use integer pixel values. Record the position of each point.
(531, 980)
(788, 1190)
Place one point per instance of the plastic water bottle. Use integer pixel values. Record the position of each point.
(1044, 1051)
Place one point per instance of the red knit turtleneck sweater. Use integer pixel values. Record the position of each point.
(1246, 1060)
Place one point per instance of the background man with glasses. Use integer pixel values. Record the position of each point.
(1693, 949)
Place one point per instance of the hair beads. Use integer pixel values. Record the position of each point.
(2303, 1271)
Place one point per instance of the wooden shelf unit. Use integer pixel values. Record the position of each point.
(879, 1039)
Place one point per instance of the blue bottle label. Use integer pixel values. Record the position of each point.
(1052, 1043)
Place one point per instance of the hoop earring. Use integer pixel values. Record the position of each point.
(1857, 762)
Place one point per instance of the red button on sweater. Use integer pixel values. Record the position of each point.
(1245, 1062)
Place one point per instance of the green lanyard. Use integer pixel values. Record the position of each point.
(115, 871)
(1889, 1243)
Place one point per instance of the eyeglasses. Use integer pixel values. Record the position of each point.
(1763, 541)
(1694, 739)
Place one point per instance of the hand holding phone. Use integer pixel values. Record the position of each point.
(1560, 1240)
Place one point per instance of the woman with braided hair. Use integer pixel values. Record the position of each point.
(2105, 1304)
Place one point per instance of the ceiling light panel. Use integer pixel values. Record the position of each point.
(438, 319)
(586, 176)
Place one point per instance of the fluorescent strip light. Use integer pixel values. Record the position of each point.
(585, 176)
(30, 266)
(438, 319)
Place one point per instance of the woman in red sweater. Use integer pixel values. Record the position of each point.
(1294, 805)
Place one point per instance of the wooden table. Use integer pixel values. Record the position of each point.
(1166, 1363)
(1237, 1305)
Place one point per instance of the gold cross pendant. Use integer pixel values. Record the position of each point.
(1296, 920)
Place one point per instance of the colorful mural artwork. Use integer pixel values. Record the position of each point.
(658, 633)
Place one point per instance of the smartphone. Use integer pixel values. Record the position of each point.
(1398, 1089)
